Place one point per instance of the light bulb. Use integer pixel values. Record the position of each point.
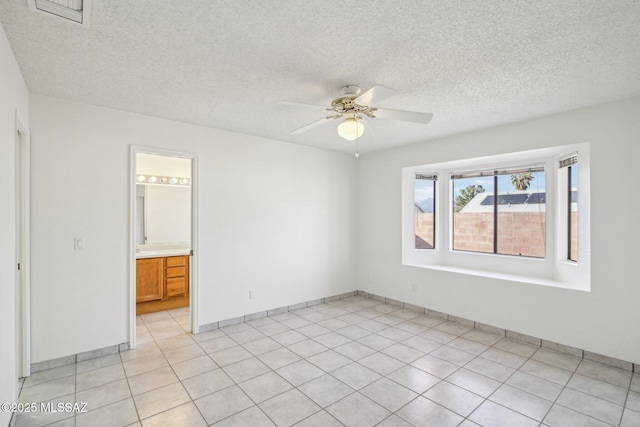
(152, 179)
(350, 129)
(173, 180)
(163, 179)
(141, 178)
(184, 181)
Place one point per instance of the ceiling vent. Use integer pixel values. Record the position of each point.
(73, 10)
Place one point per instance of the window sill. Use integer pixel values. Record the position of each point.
(501, 276)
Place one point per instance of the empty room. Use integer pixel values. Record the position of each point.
(337, 213)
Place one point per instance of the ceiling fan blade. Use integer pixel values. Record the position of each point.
(314, 124)
(405, 116)
(300, 104)
(375, 95)
(367, 127)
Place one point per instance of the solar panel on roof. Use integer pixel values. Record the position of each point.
(536, 198)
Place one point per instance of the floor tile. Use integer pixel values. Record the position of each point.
(354, 350)
(559, 416)
(395, 334)
(105, 394)
(388, 394)
(474, 382)
(455, 398)
(372, 325)
(41, 418)
(288, 408)
(278, 358)
(630, 418)
(490, 414)
(455, 356)
(253, 417)
(537, 386)
(527, 404)
(468, 346)
(453, 328)
(600, 389)
(121, 413)
(355, 375)
(98, 362)
(152, 380)
(560, 360)
(422, 344)
(547, 372)
(184, 353)
(381, 363)
(230, 355)
(193, 367)
(423, 412)
(160, 399)
(145, 364)
(435, 366)
(428, 321)
(633, 401)
(516, 347)
(394, 421)
(51, 389)
(320, 419)
(591, 406)
(414, 379)
(353, 332)
(604, 373)
(329, 360)
(376, 342)
(247, 335)
(438, 336)
(325, 390)
(265, 386)
(207, 383)
(246, 369)
(261, 346)
(216, 344)
(307, 348)
(504, 357)
(222, 404)
(332, 340)
(300, 372)
(403, 353)
(357, 410)
(313, 330)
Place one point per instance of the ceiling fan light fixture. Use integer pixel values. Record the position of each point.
(350, 129)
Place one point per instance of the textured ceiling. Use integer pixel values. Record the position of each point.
(226, 64)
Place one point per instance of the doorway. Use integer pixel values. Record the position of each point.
(163, 238)
(23, 265)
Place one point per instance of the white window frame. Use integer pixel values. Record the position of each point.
(553, 270)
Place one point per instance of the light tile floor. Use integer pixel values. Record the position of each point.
(353, 362)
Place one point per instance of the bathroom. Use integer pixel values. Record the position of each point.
(163, 232)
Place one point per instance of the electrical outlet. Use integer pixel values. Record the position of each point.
(252, 294)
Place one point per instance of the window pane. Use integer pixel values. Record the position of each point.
(521, 214)
(472, 216)
(573, 213)
(424, 217)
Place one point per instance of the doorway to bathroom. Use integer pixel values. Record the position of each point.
(163, 238)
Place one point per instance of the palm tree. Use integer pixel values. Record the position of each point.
(466, 194)
(523, 181)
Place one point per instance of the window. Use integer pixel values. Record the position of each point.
(522, 206)
(500, 211)
(424, 211)
(570, 165)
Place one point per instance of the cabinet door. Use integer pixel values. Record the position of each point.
(177, 276)
(149, 279)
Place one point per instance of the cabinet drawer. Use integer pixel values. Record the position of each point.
(176, 286)
(176, 271)
(176, 261)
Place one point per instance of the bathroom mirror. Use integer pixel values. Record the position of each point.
(163, 214)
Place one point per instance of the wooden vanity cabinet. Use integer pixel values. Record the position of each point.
(177, 273)
(162, 278)
(149, 279)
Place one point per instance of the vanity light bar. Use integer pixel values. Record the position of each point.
(170, 180)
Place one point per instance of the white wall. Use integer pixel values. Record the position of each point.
(604, 320)
(14, 98)
(275, 217)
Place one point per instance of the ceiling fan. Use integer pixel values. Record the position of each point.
(356, 108)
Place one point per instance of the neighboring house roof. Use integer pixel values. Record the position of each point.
(512, 201)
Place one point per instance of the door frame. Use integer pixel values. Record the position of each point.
(23, 249)
(193, 264)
